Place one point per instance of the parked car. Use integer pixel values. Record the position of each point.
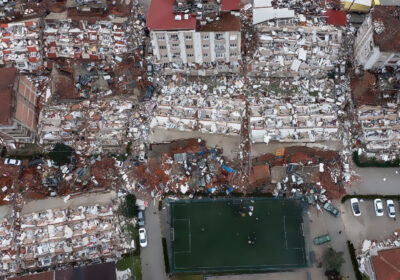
(391, 209)
(331, 209)
(35, 162)
(149, 93)
(142, 237)
(119, 163)
(141, 218)
(150, 70)
(11, 161)
(322, 239)
(378, 205)
(355, 206)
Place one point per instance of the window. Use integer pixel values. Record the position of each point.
(220, 47)
(188, 37)
(161, 37)
(205, 37)
(175, 45)
(163, 47)
(205, 54)
(219, 54)
(190, 55)
(189, 46)
(219, 36)
(164, 56)
(233, 46)
(174, 37)
(176, 55)
(205, 46)
(234, 54)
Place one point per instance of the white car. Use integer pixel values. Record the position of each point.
(378, 207)
(391, 209)
(11, 161)
(355, 206)
(142, 237)
(119, 163)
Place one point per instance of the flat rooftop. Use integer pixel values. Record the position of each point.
(8, 76)
(386, 22)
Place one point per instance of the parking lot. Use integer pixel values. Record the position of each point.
(368, 225)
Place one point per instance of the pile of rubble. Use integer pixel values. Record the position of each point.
(88, 127)
(60, 236)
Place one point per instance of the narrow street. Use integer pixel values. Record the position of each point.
(153, 267)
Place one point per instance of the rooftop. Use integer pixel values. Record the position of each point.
(387, 264)
(8, 76)
(161, 17)
(227, 22)
(386, 22)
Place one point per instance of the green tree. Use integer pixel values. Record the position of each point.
(128, 208)
(333, 260)
(60, 154)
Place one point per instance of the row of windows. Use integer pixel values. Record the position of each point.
(218, 36)
(205, 46)
(217, 55)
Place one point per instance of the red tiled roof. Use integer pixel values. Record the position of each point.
(161, 17)
(337, 18)
(230, 5)
(387, 264)
(8, 76)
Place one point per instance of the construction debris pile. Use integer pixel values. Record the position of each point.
(293, 44)
(302, 119)
(83, 39)
(193, 108)
(88, 127)
(62, 235)
(21, 45)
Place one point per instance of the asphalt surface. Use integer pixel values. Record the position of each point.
(152, 257)
(322, 222)
(368, 225)
(376, 181)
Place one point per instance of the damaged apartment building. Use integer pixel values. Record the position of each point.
(57, 237)
(196, 37)
(194, 111)
(290, 44)
(89, 127)
(377, 48)
(377, 44)
(18, 113)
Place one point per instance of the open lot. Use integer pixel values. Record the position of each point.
(220, 235)
(368, 225)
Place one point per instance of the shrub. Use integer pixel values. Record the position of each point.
(61, 154)
(354, 261)
(129, 208)
(166, 258)
(374, 162)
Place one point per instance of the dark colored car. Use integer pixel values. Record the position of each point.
(331, 209)
(149, 93)
(150, 70)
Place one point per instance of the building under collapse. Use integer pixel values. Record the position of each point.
(377, 44)
(205, 33)
(292, 45)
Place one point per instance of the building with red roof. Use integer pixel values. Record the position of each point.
(377, 43)
(187, 32)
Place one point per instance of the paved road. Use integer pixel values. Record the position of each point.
(376, 180)
(153, 267)
(322, 223)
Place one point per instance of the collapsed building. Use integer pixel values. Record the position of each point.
(59, 236)
(292, 44)
(275, 119)
(21, 45)
(197, 112)
(377, 44)
(89, 127)
(189, 33)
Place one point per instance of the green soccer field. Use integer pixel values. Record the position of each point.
(220, 235)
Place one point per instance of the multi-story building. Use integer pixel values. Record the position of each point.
(378, 41)
(18, 109)
(184, 32)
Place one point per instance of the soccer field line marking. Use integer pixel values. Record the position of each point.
(241, 266)
(190, 238)
(284, 229)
